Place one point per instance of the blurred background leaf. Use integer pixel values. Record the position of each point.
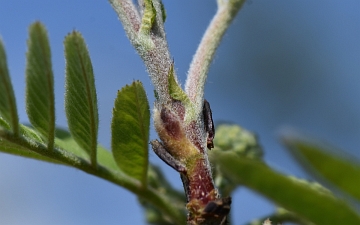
(235, 139)
(309, 202)
(325, 162)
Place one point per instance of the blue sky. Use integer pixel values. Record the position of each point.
(282, 63)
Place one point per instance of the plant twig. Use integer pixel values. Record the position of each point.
(179, 118)
(151, 46)
(194, 86)
(116, 177)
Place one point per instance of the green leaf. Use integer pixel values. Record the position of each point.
(147, 21)
(40, 104)
(8, 109)
(309, 202)
(148, 18)
(67, 143)
(80, 97)
(16, 149)
(63, 140)
(234, 138)
(163, 12)
(326, 162)
(30, 133)
(4, 124)
(130, 131)
(177, 93)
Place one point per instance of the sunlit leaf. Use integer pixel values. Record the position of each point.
(63, 140)
(16, 149)
(80, 96)
(30, 133)
(177, 93)
(326, 162)
(104, 156)
(310, 203)
(8, 109)
(40, 104)
(130, 131)
(4, 124)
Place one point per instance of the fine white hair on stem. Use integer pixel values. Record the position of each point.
(194, 86)
(128, 15)
(178, 114)
(157, 57)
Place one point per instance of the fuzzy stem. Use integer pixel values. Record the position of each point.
(128, 16)
(194, 86)
(152, 47)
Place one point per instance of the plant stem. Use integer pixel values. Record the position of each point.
(128, 15)
(156, 55)
(116, 177)
(194, 86)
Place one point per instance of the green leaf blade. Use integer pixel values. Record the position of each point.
(80, 96)
(305, 201)
(40, 100)
(326, 162)
(8, 108)
(130, 131)
(175, 91)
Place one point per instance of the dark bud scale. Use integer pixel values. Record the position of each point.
(209, 124)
